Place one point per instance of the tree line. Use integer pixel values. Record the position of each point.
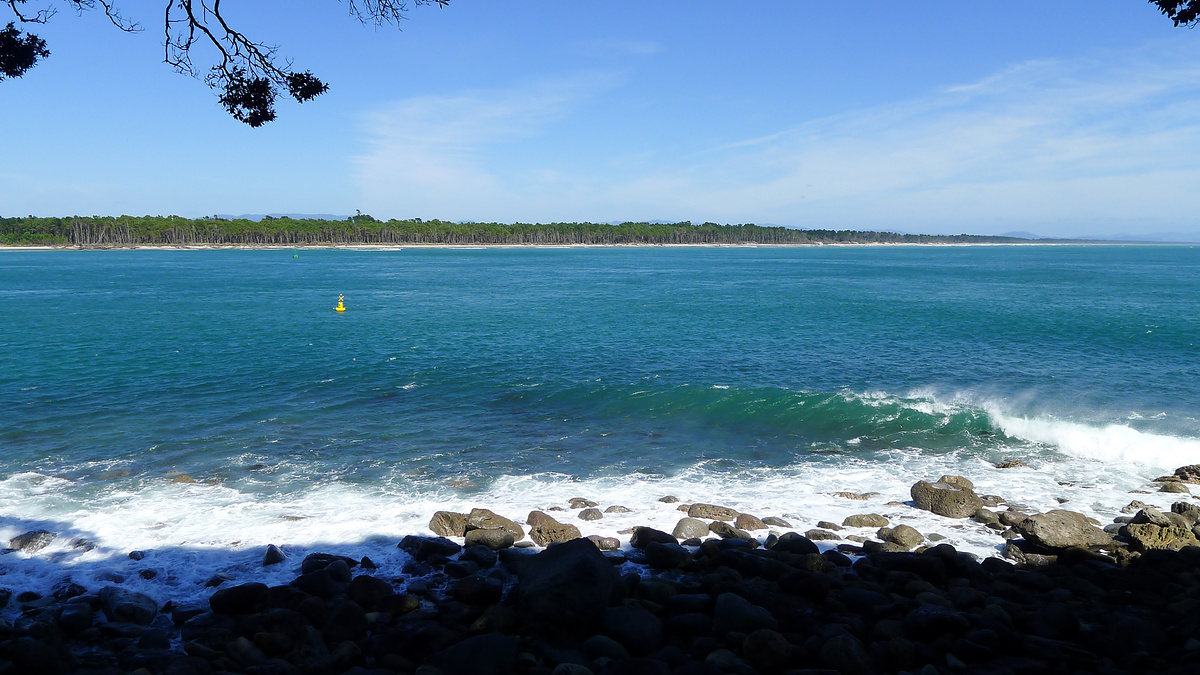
(125, 231)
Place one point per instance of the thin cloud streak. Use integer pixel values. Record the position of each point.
(1095, 144)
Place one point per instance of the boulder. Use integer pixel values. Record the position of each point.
(591, 513)
(688, 528)
(319, 561)
(566, 589)
(478, 590)
(126, 606)
(636, 629)
(791, 542)
(273, 556)
(240, 599)
(767, 650)
(483, 519)
(1062, 529)
(448, 524)
(1153, 516)
(1188, 510)
(367, 590)
(581, 503)
(1174, 486)
(905, 536)
(1189, 473)
(420, 548)
(945, 499)
(774, 521)
(865, 520)
(544, 530)
(734, 614)
(711, 512)
(617, 508)
(669, 499)
(642, 536)
(745, 521)
(845, 654)
(33, 541)
(822, 535)
(957, 481)
(726, 531)
(487, 654)
(493, 539)
(604, 543)
(1148, 537)
(665, 556)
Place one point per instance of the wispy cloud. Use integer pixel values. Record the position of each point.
(1069, 146)
(618, 47)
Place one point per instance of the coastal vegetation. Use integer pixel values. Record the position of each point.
(124, 231)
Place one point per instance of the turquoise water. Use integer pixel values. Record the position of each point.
(488, 375)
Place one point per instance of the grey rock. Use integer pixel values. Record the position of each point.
(605, 543)
(712, 512)
(1148, 537)
(688, 528)
(571, 669)
(1153, 516)
(581, 503)
(726, 531)
(642, 536)
(745, 521)
(865, 520)
(32, 541)
(591, 514)
(905, 536)
(791, 542)
(1062, 529)
(957, 481)
(822, 535)
(617, 508)
(1174, 487)
(945, 499)
(774, 521)
(669, 499)
(1191, 512)
(273, 556)
(826, 525)
(566, 588)
(492, 539)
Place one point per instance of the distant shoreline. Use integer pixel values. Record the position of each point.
(395, 247)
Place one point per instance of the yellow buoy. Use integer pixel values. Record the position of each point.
(341, 306)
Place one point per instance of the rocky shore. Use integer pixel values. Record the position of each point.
(724, 592)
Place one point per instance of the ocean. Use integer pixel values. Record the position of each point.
(199, 405)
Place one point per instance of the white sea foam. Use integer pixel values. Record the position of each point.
(1111, 443)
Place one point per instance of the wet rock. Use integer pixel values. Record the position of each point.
(745, 521)
(945, 499)
(957, 481)
(905, 536)
(566, 588)
(1190, 512)
(478, 590)
(421, 548)
(726, 531)
(822, 535)
(865, 520)
(636, 629)
(1189, 473)
(711, 512)
(1062, 529)
(319, 561)
(484, 519)
(127, 606)
(774, 521)
(581, 503)
(605, 543)
(1148, 537)
(989, 518)
(846, 654)
(1011, 517)
(346, 621)
(687, 528)
(642, 536)
(32, 541)
(591, 514)
(767, 650)
(448, 524)
(76, 617)
(617, 508)
(1010, 464)
(791, 542)
(669, 499)
(240, 599)
(1174, 487)
(666, 556)
(492, 539)
(1153, 516)
(273, 556)
(852, 495)
(544, 530)
(733, 613)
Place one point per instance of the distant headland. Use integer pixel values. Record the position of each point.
(173, 231)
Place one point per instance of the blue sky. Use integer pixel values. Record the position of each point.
(1065, 118)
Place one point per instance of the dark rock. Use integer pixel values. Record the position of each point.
(581, 503)
(1153, 516)
(638, 666)
(483, 519)
(397, 604)
(319, 561)
(1189, 473)
(1010, 464)
(1189, 511)
(617, 508)
(478, 590)
(945, 499)
(30, 655)
(636, 629)
(481, 555)
(767, 650)
(865, 520)
(492, 539)
(318, 583)
(566, 588)
(776, 522)
(688, 528)
(929, 621)
(669, 499)
(1174, 487)
(666, 556)
(421, 548)
(711, 512)
(448, 524)
(846, 654)
(127, 606)
(240, 599)
(367, 590)
(1062, 529)
(273, 556)
(32, 541)
(76, 618)
(339, 571)
(346, 621)
(590, 514)
(733, 613)
(487, 654)
(544, 530)
(604, 647)
(218, 579)
(822, 535)
(642, 536)
(605, 543)
(791, 542)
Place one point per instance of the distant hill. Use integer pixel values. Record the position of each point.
(294, 216)
(1022, 235)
